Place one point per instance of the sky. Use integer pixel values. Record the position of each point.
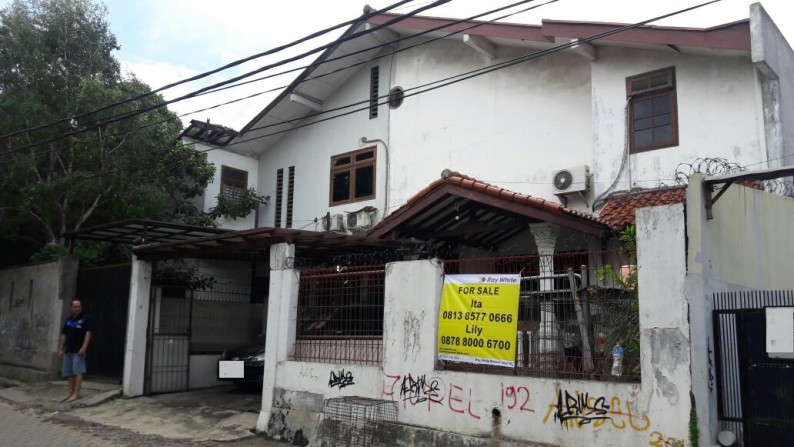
(163, 41)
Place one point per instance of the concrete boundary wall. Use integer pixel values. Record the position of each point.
(34, 299)
(747, 245)
(475, 408)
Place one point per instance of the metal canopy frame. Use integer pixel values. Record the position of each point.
(143, 231)
(729, 179)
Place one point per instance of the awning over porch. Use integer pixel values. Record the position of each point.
(460, 209)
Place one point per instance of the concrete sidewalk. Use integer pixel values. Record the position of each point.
(220, 414)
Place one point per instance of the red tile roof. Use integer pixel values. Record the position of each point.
(620, 210)
(464, 181)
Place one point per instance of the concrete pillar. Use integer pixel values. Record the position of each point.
(137, 325)
(410, 309)
(282, 309)
(664, 317)
(546, 240)
(700, 308)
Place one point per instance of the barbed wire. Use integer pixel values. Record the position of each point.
(721, 166)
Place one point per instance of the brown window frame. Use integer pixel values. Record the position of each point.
(233, 183)
(667, 89)
(351, 167)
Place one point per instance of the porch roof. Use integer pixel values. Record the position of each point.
(461, 209)
(256, 242)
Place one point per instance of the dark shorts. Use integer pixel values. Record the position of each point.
(73, 365)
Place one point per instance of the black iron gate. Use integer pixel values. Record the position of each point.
(168, 346)
(105, 292)
(755, 393)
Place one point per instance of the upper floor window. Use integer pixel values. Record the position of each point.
(353, 176)
(653, 115)
(233, 181)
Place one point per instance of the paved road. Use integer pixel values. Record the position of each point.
(22, 429)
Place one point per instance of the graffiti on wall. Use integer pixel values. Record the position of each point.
(575, 410)
(569, 409)
(433, 392)
(341, 379)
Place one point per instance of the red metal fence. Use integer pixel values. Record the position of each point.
(340, 315)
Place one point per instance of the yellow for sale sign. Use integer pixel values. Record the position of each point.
(477, 319)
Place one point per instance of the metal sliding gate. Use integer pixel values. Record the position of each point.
(168, 341)
(105, 293)
(755, 393)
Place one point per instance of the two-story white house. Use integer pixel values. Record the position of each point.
(375, 119)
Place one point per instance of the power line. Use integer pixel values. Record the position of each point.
(467, 75)
(346, 56)
(345, 37)
(463, 76)
(211, 72)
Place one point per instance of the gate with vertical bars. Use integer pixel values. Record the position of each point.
(755, 393)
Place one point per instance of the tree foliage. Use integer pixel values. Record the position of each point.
(56, 60)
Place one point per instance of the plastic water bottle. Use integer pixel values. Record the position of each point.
(617, 360)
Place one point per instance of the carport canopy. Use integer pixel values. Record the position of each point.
(254, 243)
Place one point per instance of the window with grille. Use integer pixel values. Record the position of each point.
(374, 81)
(353, 176)
(653, 115)
(233, 182)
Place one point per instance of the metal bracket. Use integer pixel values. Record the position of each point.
(710, 201)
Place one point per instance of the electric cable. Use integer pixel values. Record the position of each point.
(341, 57)
(349, 35)
(478, 72)
(213, 71)
(332, 60)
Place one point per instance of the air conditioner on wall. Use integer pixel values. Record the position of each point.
(334, 222)
(571, 180)
(359, 220)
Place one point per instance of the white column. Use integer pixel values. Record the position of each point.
(137, 322)
(546, 239)
(282, 311)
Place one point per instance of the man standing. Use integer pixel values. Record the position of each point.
(72, 346)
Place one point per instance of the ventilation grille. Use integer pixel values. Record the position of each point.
(396, 97)
(290, 194)
(374, 84)
(279, 196)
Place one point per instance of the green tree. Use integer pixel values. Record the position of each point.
(56, 60)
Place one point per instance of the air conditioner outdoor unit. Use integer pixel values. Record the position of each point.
(336, 222)
(359, 220)
(571, 180)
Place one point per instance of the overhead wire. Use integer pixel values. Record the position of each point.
(467, 75)
(213, 71)
(356, 64)
(463, 76)
(347, 55)
(344, 38)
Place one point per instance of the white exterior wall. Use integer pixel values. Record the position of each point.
(310, 149)
(718, 115)
(220, 157)
(519, 124)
